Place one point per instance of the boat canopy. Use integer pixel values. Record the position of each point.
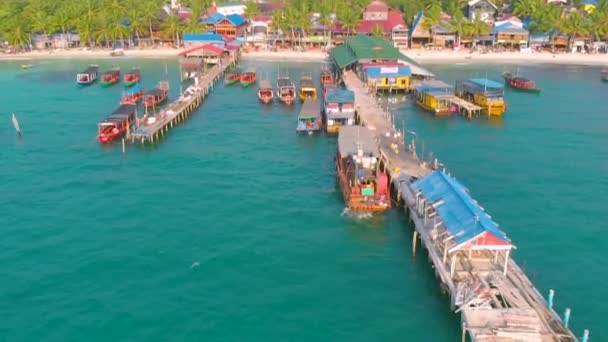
(432, 85)
(265, 84)
(90, 70)
(340, 96)
(250, 71)
(135, 71)
(285, 82)
(134, 90)
(306, 82)
(156, 91)
(311, 109)
(464, 220)
(352, 139)
(124, 109)
(486, 83)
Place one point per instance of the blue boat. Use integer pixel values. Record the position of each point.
(88, 76)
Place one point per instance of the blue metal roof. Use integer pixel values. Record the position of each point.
(397, 71)
(464, 219)
(203, 37)
(236, 19)
(591, 2)
(134, 89)
(341, 96)
(214, 19)
(509, 28)
(484, 82)
(416, 22)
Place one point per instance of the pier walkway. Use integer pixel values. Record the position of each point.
(495, 298)
(464, 107)
(152, 126)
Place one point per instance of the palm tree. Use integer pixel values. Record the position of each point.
(527, 8)
(458, 25)
(377, 31)
(172, 28)
(547, 19)
(136, 25)
(325, 20)
(149, 12)
(291, 21)
(576, 25)
(252, 10)
(18, 36)
(478, 27)
(349, 18)
(279, 24)
(303, 18)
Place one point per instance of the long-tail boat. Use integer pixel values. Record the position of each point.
(327, 77)
(117, 123)
(286, 90)
(133, 77)
(87, 76)
(309, 119)
(435, 96)
(233, 77)
(604, 75)
(248, 77)
(265, 91)
(364, 186)
(339, 109)
(133, 94)
(156, 95)
(308, 91)
(110, 77)
(520, 83)
(487, 94)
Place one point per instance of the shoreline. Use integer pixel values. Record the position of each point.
(418, 55)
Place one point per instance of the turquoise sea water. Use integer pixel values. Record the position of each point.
(230, 228)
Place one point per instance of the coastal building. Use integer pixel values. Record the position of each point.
(258, 29)
(484, 9)
(388, 78)
(419, 35)
(232, 25)
(55, 41)
(209, 53)
(441, 35)
(510, 32)
(390, 21)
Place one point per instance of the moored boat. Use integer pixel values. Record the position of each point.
(487, 94)
(363, 185)
(308, 91)
(435, 97)
(26, 66)
(520, 83)
(233, 77)
(327, 77)
(133, 94)
(117, 123)
(248, 77)
(265, 91)
(286, 90)
(328, 88)
(604, 75)
(309, 119)
(156, 95)
(110, 77)
(133, 77)
(339, 109)
(87, 76)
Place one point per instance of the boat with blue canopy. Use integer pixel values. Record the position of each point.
(487, 94)
(133, 94)
(339, 109)
(435, 96)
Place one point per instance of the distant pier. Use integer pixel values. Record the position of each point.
(495, 298)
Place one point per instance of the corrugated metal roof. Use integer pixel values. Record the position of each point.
(351, 139)
(310, 109)
(342, 56)
(486, 83)
(379, 71)
(509, 28)
(214, 18)
(340, 96)
(464, 219)
(236, 19)
(203, 37)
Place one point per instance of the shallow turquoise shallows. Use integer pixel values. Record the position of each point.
(230, 228)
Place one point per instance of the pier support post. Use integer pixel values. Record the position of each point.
(414, 241)
(504, 272)
(585, 336)
(567, 317)
(123, 145)
(550, 299)
(453, 266)
(464, 332)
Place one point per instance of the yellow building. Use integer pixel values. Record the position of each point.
(391, 78)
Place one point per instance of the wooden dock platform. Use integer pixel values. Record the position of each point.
(495, 298)
(152, 126)
(465, 108)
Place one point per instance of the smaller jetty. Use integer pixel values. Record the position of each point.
(438, 98)
(309, 119)
(487, 94)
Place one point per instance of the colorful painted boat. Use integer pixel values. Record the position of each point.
(339, 109)
(327, 77)
(265, 91)
(156, 95)
(110, 77)
(488, 94)
(286, 90)
(116, 124)
(364, 186)
(88, 76)
(309, 119)
(133, 94)
(132, 78)
(308, 91)
(248, 77)
(520, 83)
(233, 77)
(435, 96)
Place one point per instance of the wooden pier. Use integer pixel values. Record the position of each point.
(152, 126)
(495, 298)
(465, 108)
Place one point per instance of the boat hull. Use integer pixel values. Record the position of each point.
(247, 83)
(357, 203)
(108, 83)
(231, 81)
(129, 84)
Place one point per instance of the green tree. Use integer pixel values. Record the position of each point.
(458, 24)
(172, 28)
(478, 27)
(377, 31)
(527, 8)
(252, 10)
(349, 18)
(576, 25)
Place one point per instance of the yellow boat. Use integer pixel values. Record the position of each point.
(308, 91)
(435, 97)
(487, 94)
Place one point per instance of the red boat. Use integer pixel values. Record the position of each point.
(133, 95)
(327, 77)
(157, 95)
(110, 77)
(520, 83)
(116, 124)
(265, 93)
(133, 77)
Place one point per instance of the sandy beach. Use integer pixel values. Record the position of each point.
(91, 54)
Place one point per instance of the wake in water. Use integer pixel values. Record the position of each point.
(355, 215)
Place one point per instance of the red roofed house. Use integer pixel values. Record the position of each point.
(377, 13)
(211, 54)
